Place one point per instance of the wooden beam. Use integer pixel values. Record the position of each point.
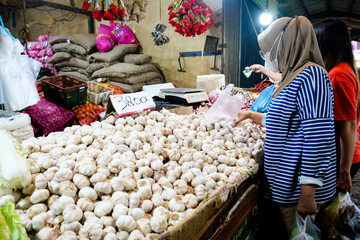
(351, 6)
(36, 3)
(307, 14)
(328, 5)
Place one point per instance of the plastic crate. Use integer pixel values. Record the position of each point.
(98, 93)
(64, 90)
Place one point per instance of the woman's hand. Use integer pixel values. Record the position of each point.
(242, 115)
(344, 182)
(307, 204)
(257, 68)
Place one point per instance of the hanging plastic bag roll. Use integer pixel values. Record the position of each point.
(226, 106)
(17, 73)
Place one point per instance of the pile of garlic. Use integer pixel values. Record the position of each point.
(129, 178)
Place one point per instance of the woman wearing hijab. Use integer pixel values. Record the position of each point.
(300, 153)
(335, 46)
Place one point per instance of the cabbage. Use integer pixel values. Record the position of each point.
(14, 168)
(10, 224)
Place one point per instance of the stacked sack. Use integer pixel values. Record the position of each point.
(72, 52)
(124, 68)
(18, 124)
(41, 51)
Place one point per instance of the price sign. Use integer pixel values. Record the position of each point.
(196, 97)
(224, 193)
(127, 104)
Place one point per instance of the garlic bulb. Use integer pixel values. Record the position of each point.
(136, 235)
(120, 197)
(110, 236)
(144, 225)
(103, 187)
(97, 177)
(36, 209)
(168, 194)
(158, 224)
(85, 204)
(198, 180)
(39, 195)
(176, 204)
(26, 222)
(54, 187)
(190, 201)
(89, 193)
(29, 189)
(134, 200)
(81, 181)
(187, 176)
(24, 203)
(39, 221)
(147, 205)
(164, 182)
(156, 188)
(136, 213)
(40, 181)
(119, 210)
(63, 174)
(91, 230)
(201, 192)
(210, 184)
(68, 235)
(123, 235)
(107, 221)
(103, 208)
(180, 186)
(126, 223)
(60, 204)
(47, 233)
(144, 192)
(109, 229)
(157, 200)
(68, 188)
(72, 213)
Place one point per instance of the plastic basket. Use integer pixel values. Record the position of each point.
(98, 93)
(64, 90)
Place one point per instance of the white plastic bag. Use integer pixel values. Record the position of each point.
(24, 133)
(14, 168)
(15, 122)
(305, 229)
(210, 82)
(17, 73)
(226, 106)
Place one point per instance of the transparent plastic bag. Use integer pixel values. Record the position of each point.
(262, 103)
(17, 74)
(305, 229)
(226, 106)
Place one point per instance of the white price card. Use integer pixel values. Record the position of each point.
(224, 193)
(127, 104)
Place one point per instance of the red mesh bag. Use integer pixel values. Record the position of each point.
(48, 117)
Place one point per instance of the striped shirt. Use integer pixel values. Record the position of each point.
(300, 139)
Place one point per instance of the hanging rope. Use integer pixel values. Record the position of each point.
(252, 22)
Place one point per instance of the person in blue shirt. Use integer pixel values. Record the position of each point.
(300, 152)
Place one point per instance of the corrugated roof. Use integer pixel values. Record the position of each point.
(316, 10)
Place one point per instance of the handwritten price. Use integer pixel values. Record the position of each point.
(131, 101)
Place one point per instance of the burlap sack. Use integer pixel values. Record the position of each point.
(73, 62)
(138, 78)
(70, 48)
(60, 57)
(76, 75)
(127, 88)
(123, 70)
(87, 41)
(73, 69)
(99, 65)
(117, 52)
(137, 59)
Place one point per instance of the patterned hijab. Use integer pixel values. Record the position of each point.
(298, 48)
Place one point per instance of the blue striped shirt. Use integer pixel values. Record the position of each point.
(300, 139)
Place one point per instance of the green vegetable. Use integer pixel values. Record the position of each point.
(4, 229)
(10, 224)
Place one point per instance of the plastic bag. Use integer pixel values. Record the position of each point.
(210, 82)
(105, 40)
(226, 106)
(17, 74)
(123, 34)
(305, 229)
(262, 103)
(48, 116)
(14, 168)
(12, 120)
